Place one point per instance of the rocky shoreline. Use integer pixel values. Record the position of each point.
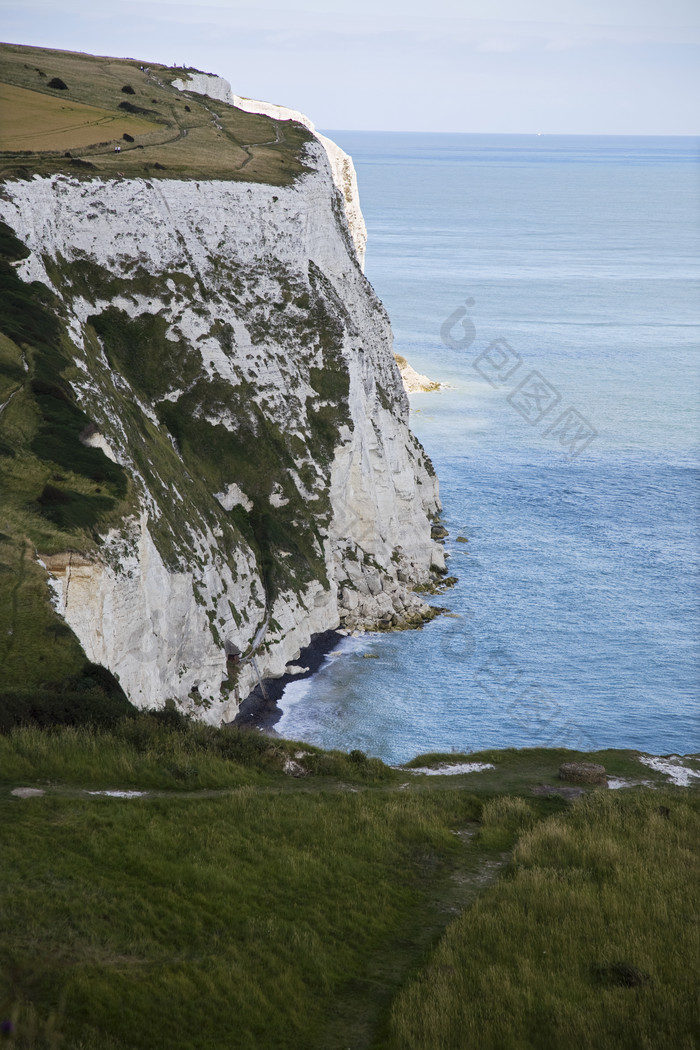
(260, 710)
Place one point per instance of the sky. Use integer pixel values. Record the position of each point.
(507, 66)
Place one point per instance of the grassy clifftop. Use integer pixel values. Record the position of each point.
(350, 905)
(75, 128)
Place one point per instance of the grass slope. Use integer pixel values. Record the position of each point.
(175, 134)
(236, 907)
(33, 121)
(590, 940)
(55, 494)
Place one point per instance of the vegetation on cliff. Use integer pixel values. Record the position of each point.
(55, 493)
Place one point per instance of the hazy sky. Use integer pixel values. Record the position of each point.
(578, 66)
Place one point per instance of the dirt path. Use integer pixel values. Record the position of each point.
(248, 148)
(361, 1012)
(4, 405)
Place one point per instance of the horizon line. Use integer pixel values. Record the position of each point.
(521, 134)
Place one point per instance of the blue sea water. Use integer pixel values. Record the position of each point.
(567, 445)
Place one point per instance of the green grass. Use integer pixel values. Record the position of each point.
(183, 921)
(591, 940)
(163, 750)
(520, 770)
(237, 907)
(176, 135)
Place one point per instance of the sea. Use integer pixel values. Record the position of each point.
(553, 284)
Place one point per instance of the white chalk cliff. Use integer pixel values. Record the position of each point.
(281, 352)
(342, 167)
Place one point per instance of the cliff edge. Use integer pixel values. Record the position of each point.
(204, 436)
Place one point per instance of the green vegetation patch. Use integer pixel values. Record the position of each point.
(82, 128)
(55, 492)
(140, 350)
(91, 696)
(590, 940)
(133, 921)
(346, 907)
(167, 750)
(255, 454)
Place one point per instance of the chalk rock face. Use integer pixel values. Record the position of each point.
(342, 167)
(414, 382)
(235, 362)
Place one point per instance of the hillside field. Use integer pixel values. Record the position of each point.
(228, 904)
(76, 129)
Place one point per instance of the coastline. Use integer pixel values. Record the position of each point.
(260, 710)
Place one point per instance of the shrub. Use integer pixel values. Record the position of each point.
(58, 84)
(128, 90)
(621, 975)
(128, 138)
(129, 107)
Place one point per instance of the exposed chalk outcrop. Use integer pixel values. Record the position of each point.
(414, 382)
(316, 512)
(342, 167)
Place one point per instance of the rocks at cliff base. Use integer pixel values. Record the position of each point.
(583, 773)
(414, 382)
(392, 607)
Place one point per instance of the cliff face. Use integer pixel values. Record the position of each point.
(233, 360)
(341, 165)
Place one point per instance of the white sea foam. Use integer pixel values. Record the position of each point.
(293, 694)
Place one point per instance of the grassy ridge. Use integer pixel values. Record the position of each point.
(175, 135)
(236, 907)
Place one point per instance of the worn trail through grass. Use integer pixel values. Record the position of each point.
(233, 907)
